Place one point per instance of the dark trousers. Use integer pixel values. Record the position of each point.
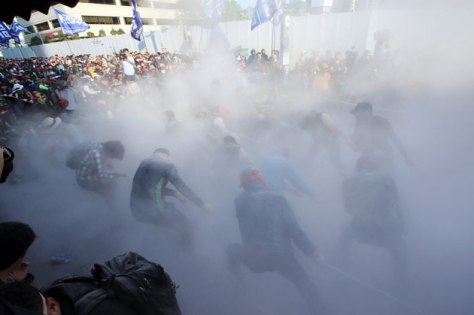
(285, 264)
(170, 218)
(387, 238)
(107, 189)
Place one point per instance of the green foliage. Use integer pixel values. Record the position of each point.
(48, 39)
(113, 32)
(102, 33)
(191, 11)
(120, 31)
(232, 11)
(90, 34)
(75, 36)
(61, 35)
(35, 41)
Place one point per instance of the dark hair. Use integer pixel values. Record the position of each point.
(15, 238)
(22, 294)
(114, 149)
(162, 150)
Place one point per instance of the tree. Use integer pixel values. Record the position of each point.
(102, 33)
(90, 34)
(232, 11)
(113, 32)
(48, 39)
(193, 11)
(190, 11)
(36, 40)
(120, 31)
(75, 36)
(61, 35)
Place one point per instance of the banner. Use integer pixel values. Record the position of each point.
(70, 24)
(266, 10)
(137, 26)
(5, 35)
(16, 29)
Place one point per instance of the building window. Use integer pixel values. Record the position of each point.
(31, 28)
(42, 26)
(55, 23)
(147, 21)
(127, 3)
(164, 5)
(166, 21)
(101, 19)
(98, 1)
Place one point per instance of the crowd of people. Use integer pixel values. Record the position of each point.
(266, 220)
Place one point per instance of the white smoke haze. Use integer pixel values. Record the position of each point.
(428, 99)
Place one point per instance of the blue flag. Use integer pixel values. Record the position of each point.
(70, 24)
(16, 29)
(214, 9)
(266, 10)
(5, 35)
(137, 26)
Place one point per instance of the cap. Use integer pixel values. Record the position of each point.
(250, 175)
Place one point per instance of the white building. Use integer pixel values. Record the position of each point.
(105, 15)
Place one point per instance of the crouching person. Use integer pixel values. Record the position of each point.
(269, 229)
(94, 167)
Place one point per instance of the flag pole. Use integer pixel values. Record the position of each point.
(69, 47)
(21, 52)
(144, 40)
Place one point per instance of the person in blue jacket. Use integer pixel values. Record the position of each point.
(281, 175)
(270, 231)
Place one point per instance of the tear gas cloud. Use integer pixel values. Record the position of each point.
(426, 95)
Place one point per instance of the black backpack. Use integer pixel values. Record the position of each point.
(130, 278)
(77, 155)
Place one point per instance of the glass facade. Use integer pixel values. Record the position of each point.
(98, 1)
(42, 26)
(101, 19)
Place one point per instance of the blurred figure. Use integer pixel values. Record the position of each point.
(171, 125)
(21, 298)
(269, 229)
(6, 163)
(374, 135)
(128, 65)
(95, 172)
(149, 191)
(371, 198)
(281, 174)
(325, 136)
(15, 239)
(230, 155)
